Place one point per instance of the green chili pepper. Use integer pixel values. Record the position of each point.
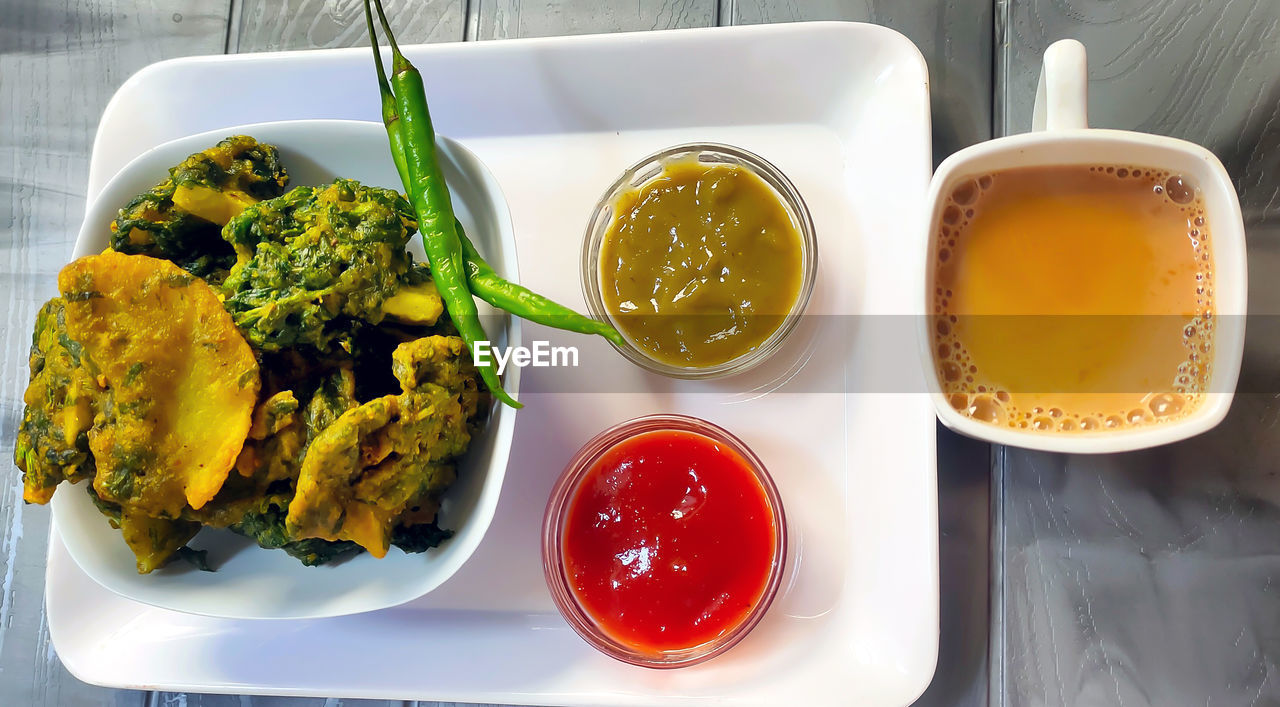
(523, 302)
(481, 278)
(390, 115)
(431, 202)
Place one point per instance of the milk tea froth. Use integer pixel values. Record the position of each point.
(1073, 298)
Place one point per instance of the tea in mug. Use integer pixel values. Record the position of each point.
(1073, 298)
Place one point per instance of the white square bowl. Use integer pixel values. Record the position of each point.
(255, 583)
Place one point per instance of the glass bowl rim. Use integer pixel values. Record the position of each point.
(788, 196)
(562, 495)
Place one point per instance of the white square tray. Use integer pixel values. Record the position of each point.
(842, 109)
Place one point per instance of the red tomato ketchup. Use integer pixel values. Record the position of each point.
(670, 540)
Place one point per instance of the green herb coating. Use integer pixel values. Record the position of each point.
(314, 256)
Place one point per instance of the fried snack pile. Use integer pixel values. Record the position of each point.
(291, 377)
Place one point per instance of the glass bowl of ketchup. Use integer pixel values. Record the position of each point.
(664, 541)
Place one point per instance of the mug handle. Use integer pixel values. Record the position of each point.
(1062, 98)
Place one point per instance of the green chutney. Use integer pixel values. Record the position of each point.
(701, 264)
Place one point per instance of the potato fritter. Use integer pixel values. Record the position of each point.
(178, 381)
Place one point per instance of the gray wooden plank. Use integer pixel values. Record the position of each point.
(1148, 578)
(507, 19)
(1205, 72)
(955, 37)
(274, 25)
(60, 60)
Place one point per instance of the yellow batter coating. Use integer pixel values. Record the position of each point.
(179, 381)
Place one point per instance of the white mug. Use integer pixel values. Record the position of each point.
(1061, 136)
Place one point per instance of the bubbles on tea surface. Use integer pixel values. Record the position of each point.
(951, 215)
(1122, 172)
(986, 409)
(1180, 190)
(1166, 404)
(1089, 423)
(985, 181)
(1137, 416)
(966, 193)
(1182, 382)
(951, 371)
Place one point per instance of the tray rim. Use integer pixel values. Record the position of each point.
(144, 74)
(517, 44)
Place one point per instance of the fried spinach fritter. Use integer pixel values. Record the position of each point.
(265, 524)
(53, 441)
(181, 218)
(315, 263)
(255, 499)
(154, 541)
(392, 456)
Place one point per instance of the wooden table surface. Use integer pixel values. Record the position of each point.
(1069, 547)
